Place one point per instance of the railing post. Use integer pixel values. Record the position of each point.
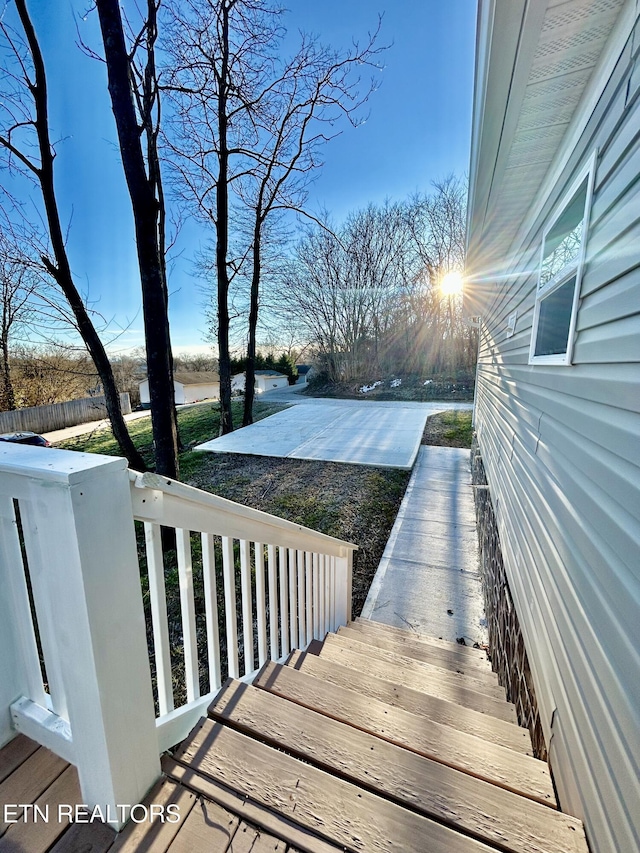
(344, 585)
(79, 526)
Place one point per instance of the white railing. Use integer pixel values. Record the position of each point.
(70, 577)
(295, 586)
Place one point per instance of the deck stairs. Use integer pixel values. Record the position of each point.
(375, 739)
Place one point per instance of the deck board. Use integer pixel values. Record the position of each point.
(30, 780)
(15, 753)
(449, 796)
(207, 827)
(248, 839)
(38, 835)
(87, 838)
(419, 672)
(341, 812)
(155, 836)
(473, 755)
(439, 710)
(428, 652)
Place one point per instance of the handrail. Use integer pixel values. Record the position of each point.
(223, 517)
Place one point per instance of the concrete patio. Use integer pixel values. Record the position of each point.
(383, 434)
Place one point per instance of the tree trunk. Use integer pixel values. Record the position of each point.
(151, 93)
(250, 370)
(145, 213)
(61, 272)
(222, 237)
(7, 398)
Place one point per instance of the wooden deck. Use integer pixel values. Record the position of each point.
(373, 740)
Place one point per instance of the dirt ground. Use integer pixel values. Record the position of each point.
(356, 503)
(411, 388)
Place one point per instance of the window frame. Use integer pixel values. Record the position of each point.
(574, 268)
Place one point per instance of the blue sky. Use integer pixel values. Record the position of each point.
(418, 130)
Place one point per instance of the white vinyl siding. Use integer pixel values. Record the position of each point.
(561, 446)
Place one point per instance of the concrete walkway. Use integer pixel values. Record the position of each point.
(89, 426)
(428, 577)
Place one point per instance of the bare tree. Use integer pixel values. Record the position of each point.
(208, 40)
(437, 222)
(19, 283)
(195, 362)
(252, 124)
(144, 182)
(344, 287)
(52, 373)
(25, 137)
(298, 114)
(368, 296)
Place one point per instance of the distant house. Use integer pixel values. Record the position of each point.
(188, 388)
(303, 371)
(266, 380)
(553, 265)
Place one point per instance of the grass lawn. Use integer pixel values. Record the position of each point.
(449, 429)
(196, 424)
(356, 503)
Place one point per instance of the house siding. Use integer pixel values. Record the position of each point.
(561, 447)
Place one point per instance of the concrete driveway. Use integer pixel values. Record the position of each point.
(385, 434)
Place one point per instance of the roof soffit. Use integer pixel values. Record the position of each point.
(560, 45)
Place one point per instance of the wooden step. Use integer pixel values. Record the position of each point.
(407, 645)
(471, 679)
(441, 711)
(417, 675)
(467, 804)
(203, 827)
(438, 642)
(383, 646)
(294, 837)
(334, 809)
(473, 755)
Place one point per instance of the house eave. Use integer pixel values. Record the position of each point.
(539, 71)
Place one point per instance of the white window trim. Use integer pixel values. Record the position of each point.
(575, 268)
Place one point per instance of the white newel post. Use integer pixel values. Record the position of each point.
(79, 531)
(344, 585)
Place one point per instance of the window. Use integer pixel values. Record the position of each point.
(558, 288)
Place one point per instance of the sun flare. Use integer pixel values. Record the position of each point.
(451, 283)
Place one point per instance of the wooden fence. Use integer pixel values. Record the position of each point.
(59, 415)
